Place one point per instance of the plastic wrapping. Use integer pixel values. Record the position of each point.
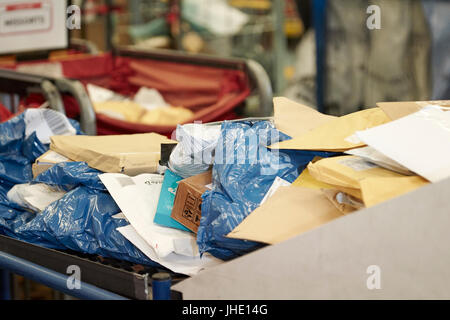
(241, 181)
(34, 196)
(81, 220)
(194, 152)
(17, 153)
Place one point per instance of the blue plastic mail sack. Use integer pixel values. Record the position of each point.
(81, 220)
(243, 171)
(17, 153)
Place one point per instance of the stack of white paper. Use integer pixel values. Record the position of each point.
(137, 197)
(419, 142)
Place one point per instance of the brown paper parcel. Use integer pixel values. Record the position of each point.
(129, 154)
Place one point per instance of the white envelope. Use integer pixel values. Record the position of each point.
(138, 197)
(419, 142)
(175, 262)
(372, 155)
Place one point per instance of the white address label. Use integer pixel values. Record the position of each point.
(25, 17)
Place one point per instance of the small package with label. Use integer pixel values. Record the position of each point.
(166, 201)
(188, 199)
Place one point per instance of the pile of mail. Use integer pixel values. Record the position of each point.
(225, 190)
(143, 190)
(384, 152)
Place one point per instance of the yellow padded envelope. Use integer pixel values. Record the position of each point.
(375, 184)
(332, 135)
(306, 180)
(289, 212)
(377, 190)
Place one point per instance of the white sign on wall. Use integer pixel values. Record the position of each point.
(32, 25)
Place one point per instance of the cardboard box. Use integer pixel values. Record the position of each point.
(188, 199)
(46, 161)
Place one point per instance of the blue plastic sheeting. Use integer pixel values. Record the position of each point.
(68, 175)
(239, 185)
(80, 221)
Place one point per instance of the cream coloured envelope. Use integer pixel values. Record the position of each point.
(306, 180)
(397, 110)
(347, 171)
(377, 190)
(335, 135)
(295, 119)
(289, 212)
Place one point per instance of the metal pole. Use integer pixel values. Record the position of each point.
(175, 24)
(280, 45)
(109, 32)
(319, 19)
(5, 285)
(52, 279)
(135, 13)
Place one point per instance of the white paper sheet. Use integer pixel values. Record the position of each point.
(175, 262)
(52, 157)
(372, 155)
(277, 183)
(137, 198)
(100, 94)
(47, 123)
(150, 99)
(419, 142)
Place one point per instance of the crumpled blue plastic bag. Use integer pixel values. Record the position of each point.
(68, 175)
(238, 187)
(81, 220)
(18, 153)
